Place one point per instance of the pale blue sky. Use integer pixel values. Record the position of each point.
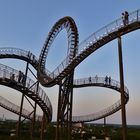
(25, 24)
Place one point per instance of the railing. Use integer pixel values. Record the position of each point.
(11, 106)
(6, 72)
(20, 53)
(100, 81)
(15, 51)
(87, 43)
(98, 115)
(106, 30)
(96, 36)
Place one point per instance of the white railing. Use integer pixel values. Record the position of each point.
(15, 108)
(99, 81)
(96, 36)
(6, 72)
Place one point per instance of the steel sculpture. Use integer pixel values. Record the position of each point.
(65, 85)
(63, 74)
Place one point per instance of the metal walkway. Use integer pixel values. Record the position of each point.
(79, 83)
(29, 89)
(16, 109)
(100, 82)
(87, 47)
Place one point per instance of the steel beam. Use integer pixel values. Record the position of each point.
(34, 115)
(123, 109)
(43, 127)
(64, 114)
(22, 100)
(19, 120)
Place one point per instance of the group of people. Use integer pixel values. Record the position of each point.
(21, 77)
(108, 80)
(96, 79)
(12, 77)
(125, 18)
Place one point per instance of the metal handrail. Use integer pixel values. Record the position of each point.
(96, 36)
(100, 81)
(15, 108)
(6, 72)
(87, 43)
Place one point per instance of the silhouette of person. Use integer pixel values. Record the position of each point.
(96, 78)
(89, 79)
(109, 80)
(4, 73)
(19, 76)
(123, 18)
(23, 78)
(106, 79)
(126, 17)
(29, 54)
(12, 77)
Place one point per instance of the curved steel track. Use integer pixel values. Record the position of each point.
(29, 89)
(16, 109)
(100, 82)
(74, 58)
(78, 83)
(90, 45)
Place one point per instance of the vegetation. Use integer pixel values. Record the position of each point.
(112, 131)
(8, 128)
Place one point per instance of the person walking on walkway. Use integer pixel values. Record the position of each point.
(89, 79)
(96, 78)
(125, 18)
(109, 79)
(106, 80)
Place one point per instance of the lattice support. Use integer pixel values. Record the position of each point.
(64, 115)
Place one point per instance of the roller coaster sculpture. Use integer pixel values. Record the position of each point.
(63, 75)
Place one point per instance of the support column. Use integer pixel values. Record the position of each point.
(105, 127)
(19, 120)
(123, 110)
(58, 114)
(64, 112)
(22, 100)
(34, 114)
(43, 127)
(70, 110)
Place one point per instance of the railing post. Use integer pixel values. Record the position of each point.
(106, 29)
(137, 15)
(123, 110)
